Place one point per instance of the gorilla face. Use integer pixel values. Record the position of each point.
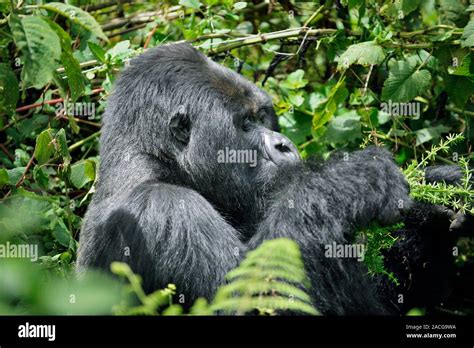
(230, 145)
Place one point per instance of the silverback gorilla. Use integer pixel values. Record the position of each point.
(169, 206)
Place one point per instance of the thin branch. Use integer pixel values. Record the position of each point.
(259, 38)
(144, 17)
(5, 150)
(51, 102)
(28, 166)
(83, 141)
(80, 120)
(459, 111)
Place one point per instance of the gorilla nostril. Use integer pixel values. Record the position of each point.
(282, 147)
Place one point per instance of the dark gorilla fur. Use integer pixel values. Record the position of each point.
(167, 207)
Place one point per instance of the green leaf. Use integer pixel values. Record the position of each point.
(295, 80)
(62, 234)
(195, 4)
(71, 66)
(40, 47)
(120, 51)
(364, 53)
(82, 172)
(9, 91)
(240, 5)
(467, 38)
(4, 180)
(15, 174)
(327, 109)
(399, 9)
(78, 16)
(405, 81)
(409, 6)
(63, 148)
(466, 68)
(44, 147)
(344, 128)
(41, 177)
(429, 133)
(74, 75)
(459, 89)
(451, 11)
(97, 51)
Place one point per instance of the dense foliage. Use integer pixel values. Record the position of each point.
(343, 74)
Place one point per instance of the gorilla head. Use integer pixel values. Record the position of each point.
(187, 118)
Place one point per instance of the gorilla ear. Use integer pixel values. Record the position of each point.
(180, 126)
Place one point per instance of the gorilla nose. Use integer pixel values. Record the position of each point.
(279, 148)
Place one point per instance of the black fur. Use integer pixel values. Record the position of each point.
(166, 206)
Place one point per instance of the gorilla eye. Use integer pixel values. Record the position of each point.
(246, 124)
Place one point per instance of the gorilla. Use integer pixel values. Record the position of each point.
(179, 200)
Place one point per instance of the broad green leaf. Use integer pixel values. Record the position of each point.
(399, 8)
(41, 177)
(120, 51)
(74, 75)
(451, 11)
(467, 38)
(9, 91)
(327, 109)
(344, 128)
(21, 158)
(422, 56)
(466, 68)
(97, 51)
(405, 81)
(195, 4)
(4, 180)
(44, 147)
(427, 134)
(82, 172)
(78, 16)
(240, 5)
(296, 126)
(40, 47)
(296, 98)
(75, 80)
(459, 89)
(409, 5)
(295, 80)
(364, 53)
(62, 234)
(15, 174)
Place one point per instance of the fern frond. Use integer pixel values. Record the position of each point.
(263, 304)
(270, 279)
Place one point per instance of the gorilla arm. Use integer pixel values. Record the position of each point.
(167, 234)
(322, 205)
